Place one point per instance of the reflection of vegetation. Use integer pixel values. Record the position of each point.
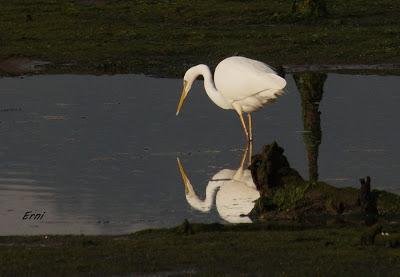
(310, 86)
(207, 250)
(310, 8)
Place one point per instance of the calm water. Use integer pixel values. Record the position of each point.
(98, 154)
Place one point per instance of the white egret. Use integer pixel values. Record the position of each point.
(234, 192)
(241, 84)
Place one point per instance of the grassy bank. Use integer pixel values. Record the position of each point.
(267, 250)
(164, 37)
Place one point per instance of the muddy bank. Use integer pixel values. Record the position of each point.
(16, 66)
(341, 68)
(19, 66)
(22, 65)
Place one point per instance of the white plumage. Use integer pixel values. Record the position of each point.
(248, 82)
(239, 83)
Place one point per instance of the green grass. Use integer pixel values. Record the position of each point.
(165, 37)
(266, 250)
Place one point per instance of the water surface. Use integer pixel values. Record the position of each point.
(98, 154)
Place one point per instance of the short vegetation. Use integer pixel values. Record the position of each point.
(165, 37)
(210, 250)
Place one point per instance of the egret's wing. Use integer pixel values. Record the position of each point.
(238, 77)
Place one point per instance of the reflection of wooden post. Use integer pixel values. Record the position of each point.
(310, 8)
(310, 86)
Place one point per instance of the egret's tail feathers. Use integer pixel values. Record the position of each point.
(271, 95)
(280, 92)
(255, 102)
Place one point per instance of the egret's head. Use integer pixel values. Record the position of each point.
(190, 194)
(188, 79)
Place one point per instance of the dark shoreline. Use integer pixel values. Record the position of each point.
(209, 249)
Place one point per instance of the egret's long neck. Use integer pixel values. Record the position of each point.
(206, 204)
(210, 88)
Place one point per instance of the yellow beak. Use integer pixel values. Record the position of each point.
(183, 97)
(185, 179)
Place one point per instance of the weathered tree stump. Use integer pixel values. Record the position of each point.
(270, 169)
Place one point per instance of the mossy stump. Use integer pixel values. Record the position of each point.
(271, 169)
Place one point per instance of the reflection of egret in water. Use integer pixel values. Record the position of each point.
(311, 88)
(234, 192)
